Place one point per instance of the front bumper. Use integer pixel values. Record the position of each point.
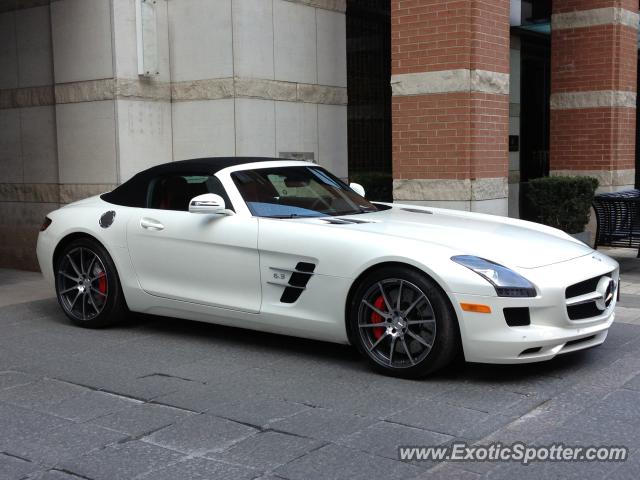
(486, 338)
(44, 252)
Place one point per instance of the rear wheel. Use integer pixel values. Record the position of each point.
(403, 323)
(87, 285)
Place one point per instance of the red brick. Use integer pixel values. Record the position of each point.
(602, 57)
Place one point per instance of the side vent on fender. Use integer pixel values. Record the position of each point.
(298, 280)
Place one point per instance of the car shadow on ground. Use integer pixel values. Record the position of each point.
(346, 356)
(337, 355)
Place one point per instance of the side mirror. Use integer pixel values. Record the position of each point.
(356, 187)
(209, 203)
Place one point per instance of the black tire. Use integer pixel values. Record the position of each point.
(431, 318)
(87, 285)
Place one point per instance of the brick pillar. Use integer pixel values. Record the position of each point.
(593, 90)
(450, 84)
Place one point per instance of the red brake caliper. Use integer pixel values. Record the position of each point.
(375, 318)
(102, 283)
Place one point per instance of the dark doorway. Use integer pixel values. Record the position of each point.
(535, 87)
(535, 91)
(368, 84)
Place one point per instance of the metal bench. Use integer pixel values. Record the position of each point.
(618, 216)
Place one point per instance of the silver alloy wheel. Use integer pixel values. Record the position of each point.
(396, 323)
(82, 284)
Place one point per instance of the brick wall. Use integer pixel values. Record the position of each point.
(593, 139)
(593, 87)
(452, 136)
(445, 128)
(564, 6)
(593, 58)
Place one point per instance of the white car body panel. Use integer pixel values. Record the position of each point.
(196, 258)
(229, 269)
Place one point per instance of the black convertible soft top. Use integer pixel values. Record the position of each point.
(133, 192)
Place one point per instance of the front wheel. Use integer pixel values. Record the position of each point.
(87, 285)
(403, 323)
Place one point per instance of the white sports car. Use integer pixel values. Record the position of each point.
(286, 247)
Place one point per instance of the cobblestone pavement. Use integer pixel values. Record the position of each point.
(160, 398)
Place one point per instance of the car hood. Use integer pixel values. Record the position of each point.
(510, 242)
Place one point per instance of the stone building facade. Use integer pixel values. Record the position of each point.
(231, 77)
(475, 97)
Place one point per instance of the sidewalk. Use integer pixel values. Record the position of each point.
(159, 398)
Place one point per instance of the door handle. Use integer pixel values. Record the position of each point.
(151, 224)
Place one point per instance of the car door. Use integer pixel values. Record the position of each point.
(205, 259)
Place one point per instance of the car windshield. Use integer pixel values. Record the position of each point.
(289, 192)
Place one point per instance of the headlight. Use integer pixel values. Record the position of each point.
(506, 282)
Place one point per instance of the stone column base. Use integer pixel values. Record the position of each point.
(484, 195)
(608, 180)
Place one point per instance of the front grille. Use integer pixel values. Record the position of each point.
(583, 298)
(586, 310)
(579, 340)
(586, 286)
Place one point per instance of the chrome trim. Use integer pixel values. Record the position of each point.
(205, 203)
(291, 270)
(285, 285)
(586, 298)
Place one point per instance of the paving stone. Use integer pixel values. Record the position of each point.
(200, 434)
(48, 344)
(384, 438)
(28, 311)
(15, 379)
(634, 383)
(549, 470)
(628, 470)
(257, 410)
(267, 450)
(569, 470)
(360, 396)
(202, 469)
(553, 470)
(141, 419)
(336, 463)
(41, 395)
(121, 462)
(622, 334)
(485, 398)
(56, 475)
(12, 468)
(207, 370)
(627, 313)
(200, 398)
(615, 415)
(449, 472)
(148, 387)
(59, 444)
(156, 351)
(322, 424)
(261, 379)
(89, 405)
(573, 400)
(449, 419)
(89, 372)
(17, 423)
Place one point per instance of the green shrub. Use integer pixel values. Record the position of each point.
(561, 202)
(377, 185)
